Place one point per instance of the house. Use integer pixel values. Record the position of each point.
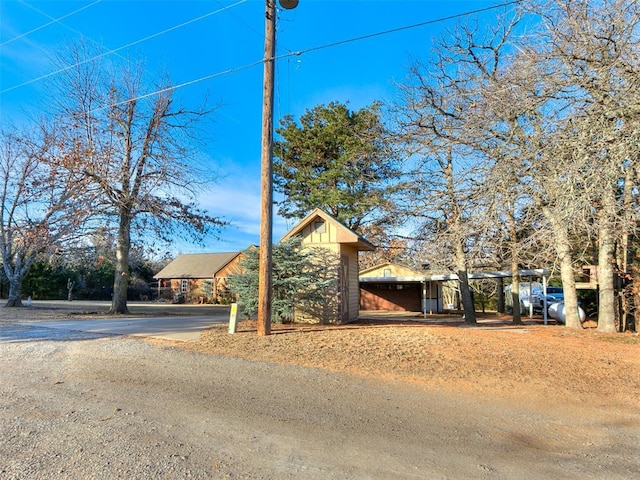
(200, 277)
(321, 230)
(397, 288)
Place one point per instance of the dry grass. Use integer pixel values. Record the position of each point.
(533, 362)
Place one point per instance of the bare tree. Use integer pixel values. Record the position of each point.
(597, 45)
(441, 198)
(444, 112)
(138, 148)
(41, 203)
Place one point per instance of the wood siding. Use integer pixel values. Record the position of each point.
(341, 304)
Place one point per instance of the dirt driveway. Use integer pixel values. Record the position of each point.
(78, 405)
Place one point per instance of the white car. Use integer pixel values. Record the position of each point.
(529, 294)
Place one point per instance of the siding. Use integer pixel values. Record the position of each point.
(341, 304)
(350, 255)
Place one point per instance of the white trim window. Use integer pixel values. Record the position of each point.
(184, 285)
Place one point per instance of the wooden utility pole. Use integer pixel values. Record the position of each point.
(266, 224)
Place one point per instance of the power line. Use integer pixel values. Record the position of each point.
(278, 57)
(58, 21)
(53, 20)
(398, 29)
(149, 37)
(327, 45)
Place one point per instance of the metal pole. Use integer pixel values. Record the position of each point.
(266, 223)
(544, 299)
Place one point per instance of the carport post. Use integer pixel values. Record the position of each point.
(424, 298)
(544, 299)
(530, 299)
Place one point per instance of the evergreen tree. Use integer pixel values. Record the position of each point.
(301, 276)
(337, 160)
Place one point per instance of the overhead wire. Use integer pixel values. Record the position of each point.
(261, 61)
(399, 29)
(53, 21)
(136, 42)
(328, 45)
(59, 22)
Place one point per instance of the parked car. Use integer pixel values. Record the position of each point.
(554, 295)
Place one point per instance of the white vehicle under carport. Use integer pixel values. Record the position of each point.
(529, 294)
(554, 294)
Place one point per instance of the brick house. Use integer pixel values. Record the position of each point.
(199, 277)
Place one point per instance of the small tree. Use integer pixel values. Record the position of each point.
(299, 279)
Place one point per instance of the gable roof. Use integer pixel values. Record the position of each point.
(196, 265)
(396, 270)
(345, 234)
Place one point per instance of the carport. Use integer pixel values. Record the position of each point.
(397, 294)
(394, 287)
(397, 288)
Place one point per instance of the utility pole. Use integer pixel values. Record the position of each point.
(266, 178)
(266, 211)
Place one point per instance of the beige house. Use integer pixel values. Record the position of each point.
(394, 288)
(200, 277)
(321, 230)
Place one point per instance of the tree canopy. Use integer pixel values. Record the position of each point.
(338, 160)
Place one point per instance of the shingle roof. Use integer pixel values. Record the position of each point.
(196, 265)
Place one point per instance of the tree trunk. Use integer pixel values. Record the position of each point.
(465, 290)
(606, 261)
(606, 291)
(500, 295)
(15, 292)
(121, 280)
(562, 245)
(572, 314)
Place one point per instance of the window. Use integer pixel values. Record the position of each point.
(387, 272)
(318, 227)
(184, 285)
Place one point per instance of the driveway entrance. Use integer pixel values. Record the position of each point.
(184, 328)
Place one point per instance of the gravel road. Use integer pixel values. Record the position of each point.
(78, 406)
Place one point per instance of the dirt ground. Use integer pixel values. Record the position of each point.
(532, 363)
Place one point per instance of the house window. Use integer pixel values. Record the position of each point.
(184, 285)
(387, 272)
(318, 227)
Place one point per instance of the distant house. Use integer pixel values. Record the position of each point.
(396, 288)
(199, 277)
(321, 230)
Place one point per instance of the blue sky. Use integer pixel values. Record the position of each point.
(220, 39)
